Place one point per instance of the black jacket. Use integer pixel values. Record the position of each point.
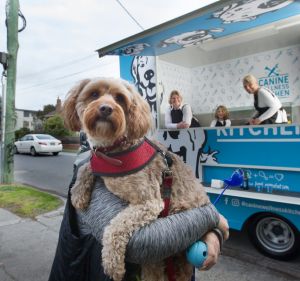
(77, 257)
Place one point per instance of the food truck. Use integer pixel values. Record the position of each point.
(205, 55)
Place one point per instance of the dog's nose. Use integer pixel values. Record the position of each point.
(105, 110)
(149, 74)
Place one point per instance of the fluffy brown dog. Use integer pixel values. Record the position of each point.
(116, 118)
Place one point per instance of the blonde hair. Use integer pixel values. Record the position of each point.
(249, 79)
(225, 110)
(175, 93)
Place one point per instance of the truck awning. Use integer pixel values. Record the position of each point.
(221, 19)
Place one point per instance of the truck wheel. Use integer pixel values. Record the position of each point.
(274, 236)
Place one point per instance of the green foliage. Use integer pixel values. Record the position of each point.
(21, 133)
(46, 109)
(55, 127)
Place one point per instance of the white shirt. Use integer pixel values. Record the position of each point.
(267, 99)
(187, 116)
(214, 122)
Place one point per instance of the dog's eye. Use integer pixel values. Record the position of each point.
(119, 98)
(94, 95)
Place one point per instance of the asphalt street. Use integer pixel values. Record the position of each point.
(47, 172)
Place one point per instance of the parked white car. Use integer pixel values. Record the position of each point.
(38, 143)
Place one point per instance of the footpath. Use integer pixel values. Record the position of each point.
(27, 248)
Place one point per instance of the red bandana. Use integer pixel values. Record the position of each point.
(129, 161)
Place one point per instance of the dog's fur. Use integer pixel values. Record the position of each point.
(108, 109)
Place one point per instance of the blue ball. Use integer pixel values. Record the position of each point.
(196, 254)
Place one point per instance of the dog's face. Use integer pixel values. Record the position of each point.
(144, 76)
(107, 109)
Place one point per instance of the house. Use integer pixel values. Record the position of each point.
(25, 119)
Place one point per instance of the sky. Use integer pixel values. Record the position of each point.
(57, 47)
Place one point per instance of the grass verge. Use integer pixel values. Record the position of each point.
(26, 201)
(70, 150)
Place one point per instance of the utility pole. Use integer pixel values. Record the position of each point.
(12, 10)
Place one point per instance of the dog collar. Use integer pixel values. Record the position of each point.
(123, 163)
(116, 144)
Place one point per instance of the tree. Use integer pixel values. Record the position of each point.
(55, 126)
(21, 133)
(46, 109)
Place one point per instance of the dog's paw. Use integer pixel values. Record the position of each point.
(79, 203)
(80, 198)
(114, 268)
(118, 274)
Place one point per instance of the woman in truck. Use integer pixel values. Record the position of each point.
(178, 115)
(268, 107)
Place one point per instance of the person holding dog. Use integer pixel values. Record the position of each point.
(115, 208)
(78, 254)
(178, 115)
(268, 107)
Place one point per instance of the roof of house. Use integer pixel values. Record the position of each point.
(28, 110)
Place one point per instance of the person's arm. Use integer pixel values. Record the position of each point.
(168, 120)
(227, 123)
(187, 114)
(213, 123)
(266, 99)
(167, 236)
(162, 238)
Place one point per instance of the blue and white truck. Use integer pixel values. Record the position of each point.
(205, 55)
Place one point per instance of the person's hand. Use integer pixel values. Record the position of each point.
(213, 244)
(256, 121)
(251, 122)
(213, 250)
(182, 125)
(224, 227)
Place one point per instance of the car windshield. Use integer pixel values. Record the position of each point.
(45, 137)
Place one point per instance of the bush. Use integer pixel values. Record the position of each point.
(55, 127)
(21, 133)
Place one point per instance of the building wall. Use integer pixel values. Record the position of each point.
(207, 86)
(24, 119)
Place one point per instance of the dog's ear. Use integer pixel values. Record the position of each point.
(139, 119)
(69, 111)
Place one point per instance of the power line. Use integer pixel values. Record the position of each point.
(56, 67)
(130, 14)
(64, 77)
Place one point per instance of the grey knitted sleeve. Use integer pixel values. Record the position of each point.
(162, 238)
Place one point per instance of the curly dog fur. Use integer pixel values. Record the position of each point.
(108, 110)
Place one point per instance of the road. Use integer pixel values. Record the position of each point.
(240, 261)
(51, 173)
